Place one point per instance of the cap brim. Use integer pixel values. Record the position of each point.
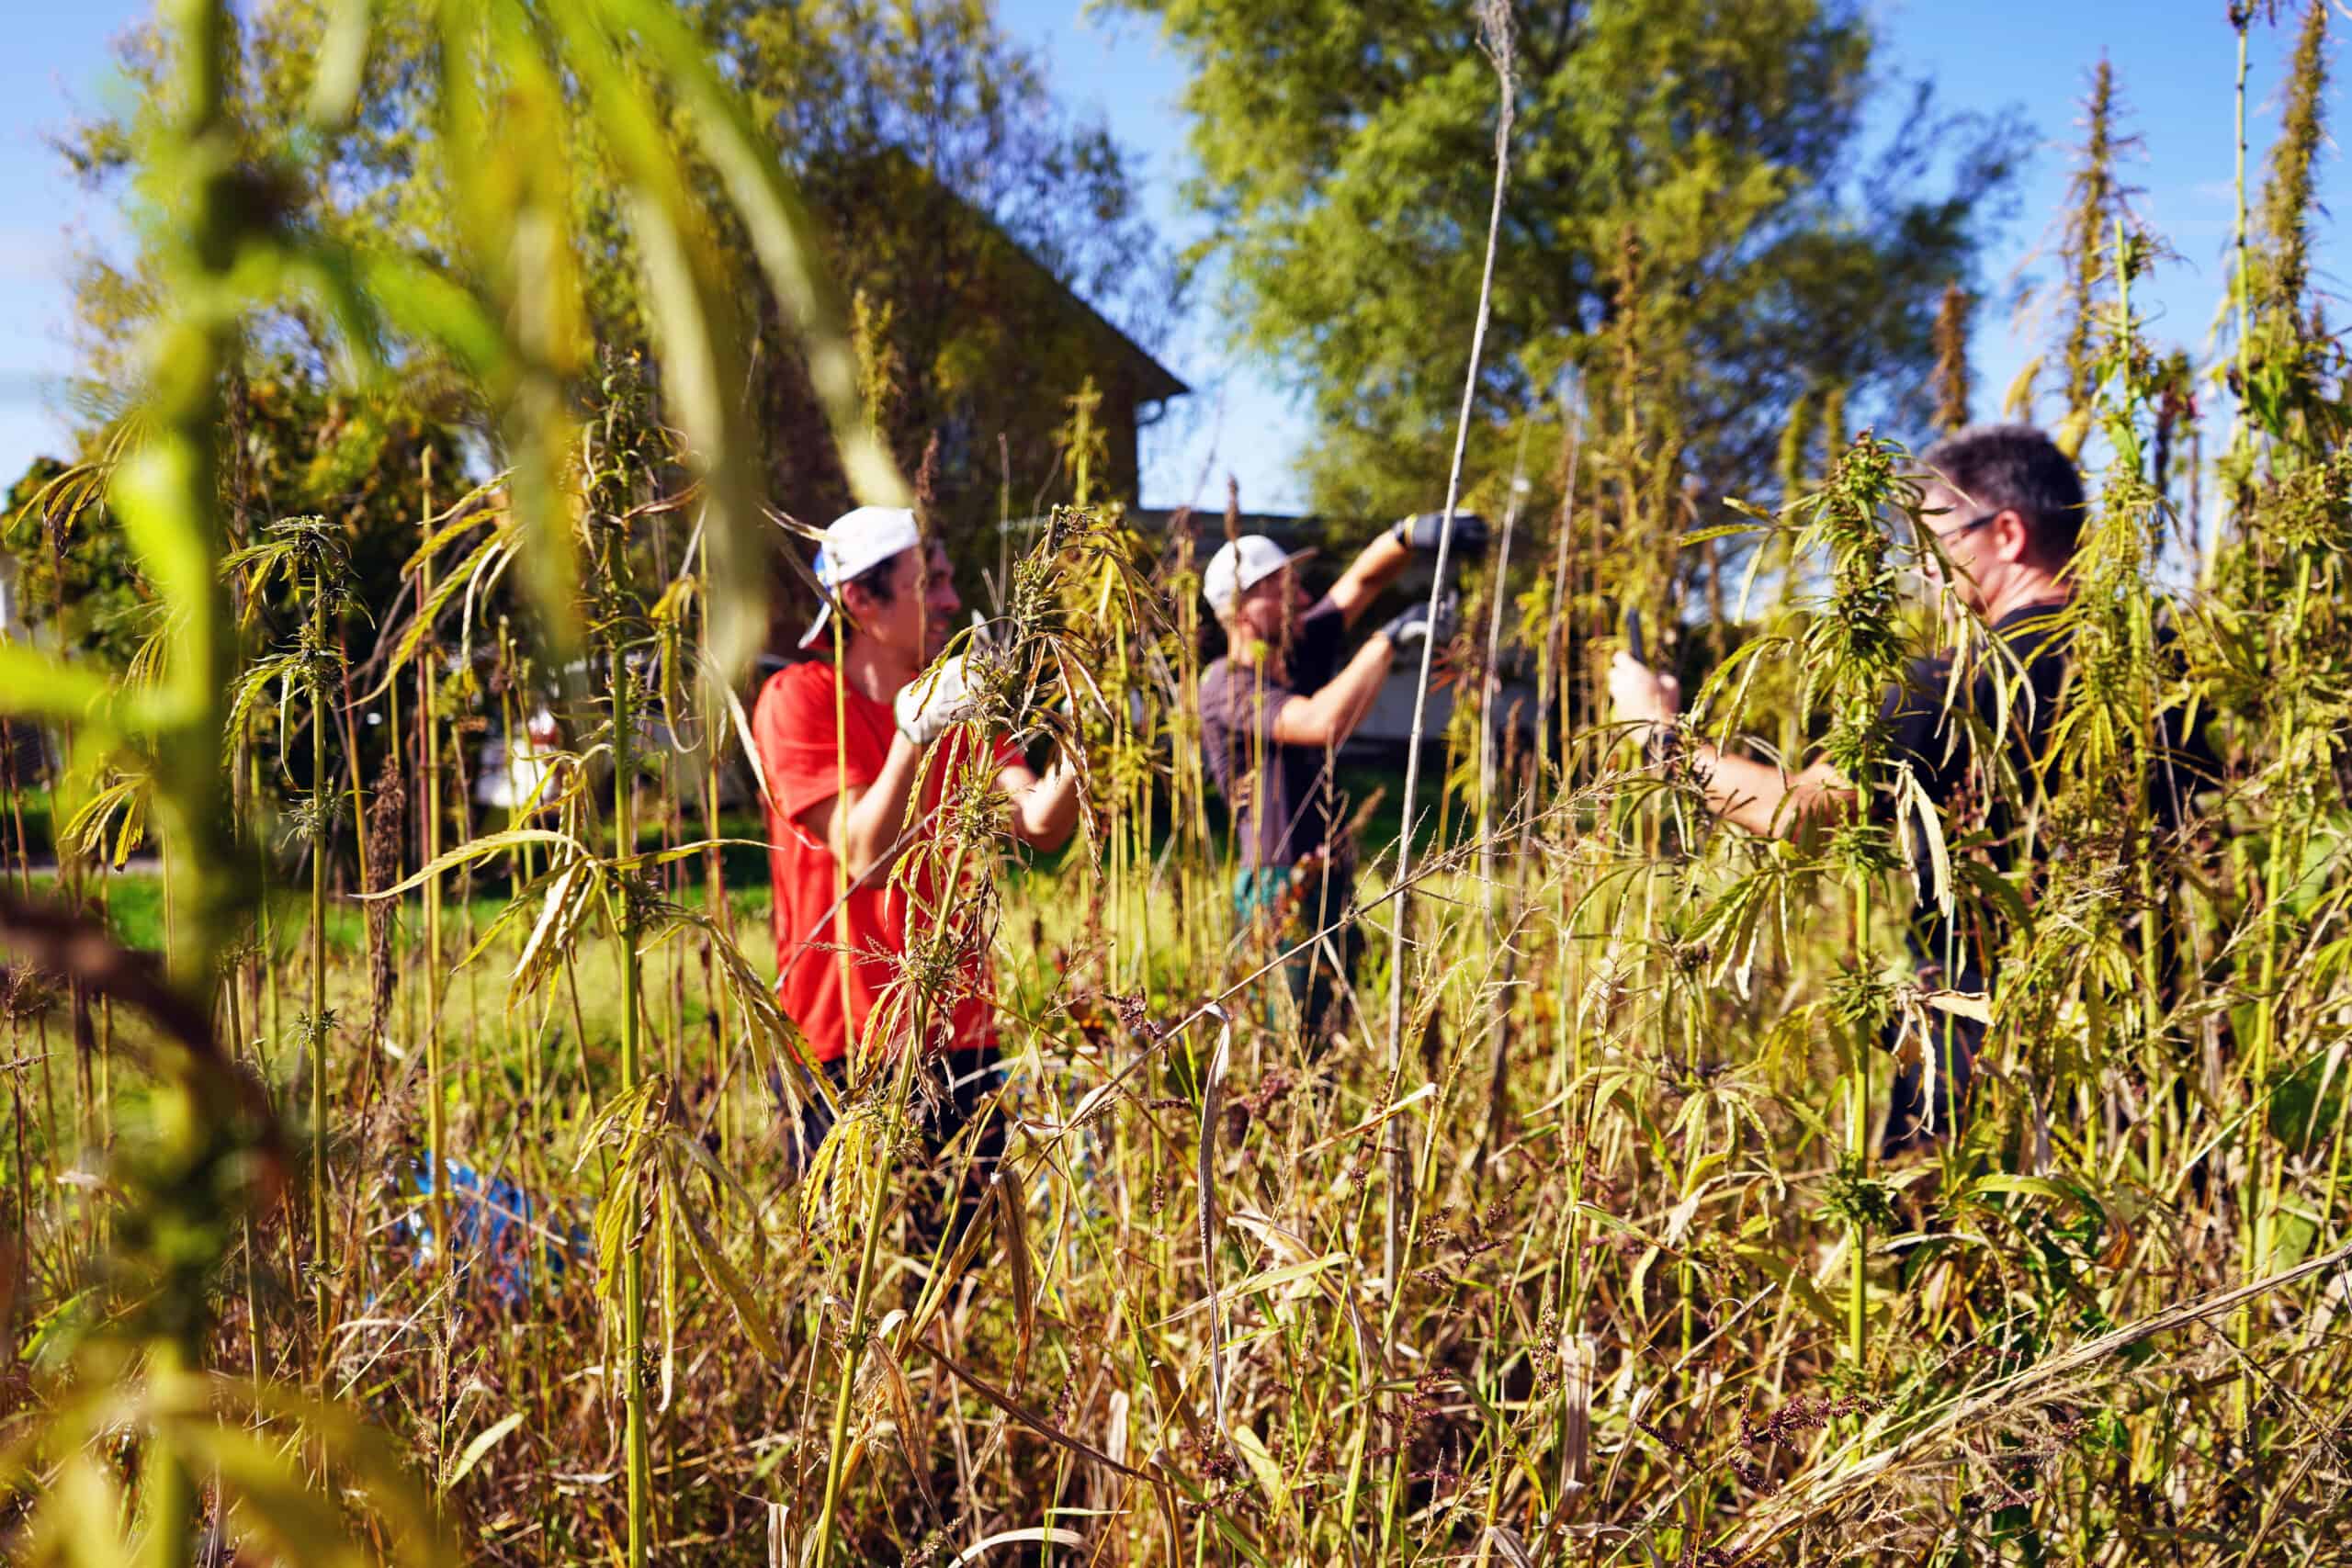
(824, 614)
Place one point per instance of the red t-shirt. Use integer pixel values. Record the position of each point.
(793, 727)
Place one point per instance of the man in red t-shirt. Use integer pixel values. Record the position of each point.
(844, 747)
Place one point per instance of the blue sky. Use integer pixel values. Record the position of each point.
(2173, 57)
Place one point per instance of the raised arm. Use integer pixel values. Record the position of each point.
(1043, 810)
(1375, 569)
(862, 823)
(1766, 800)
(1331, 715)
(1382, 560)
(1759, 797)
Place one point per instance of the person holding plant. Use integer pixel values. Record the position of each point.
(2005, 507)
(845, 746)
(1274, 712)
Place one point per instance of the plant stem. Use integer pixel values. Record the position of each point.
(640, 1479)
(1399, 1175)
(1859, 1133)
(321, 1191)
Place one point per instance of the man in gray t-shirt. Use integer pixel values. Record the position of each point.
(1273, 713)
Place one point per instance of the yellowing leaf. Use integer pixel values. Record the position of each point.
(483, 1442)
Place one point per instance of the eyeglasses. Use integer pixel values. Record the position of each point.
(1970, 526)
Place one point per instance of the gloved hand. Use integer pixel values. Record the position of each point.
(938, 697)
(1413, 625)
(1421, 531)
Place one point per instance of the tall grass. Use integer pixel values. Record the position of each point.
(1572, 1248)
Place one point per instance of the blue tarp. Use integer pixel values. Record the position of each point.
(497, 1228)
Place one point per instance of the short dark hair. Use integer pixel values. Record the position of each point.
(2015, 467)
(876, 579)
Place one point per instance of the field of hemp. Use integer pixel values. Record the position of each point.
(427, 1199)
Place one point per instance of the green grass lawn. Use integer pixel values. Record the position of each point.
(134, 903)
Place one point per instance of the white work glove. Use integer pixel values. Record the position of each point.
(933, 701)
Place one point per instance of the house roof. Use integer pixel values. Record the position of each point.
(1153, 382)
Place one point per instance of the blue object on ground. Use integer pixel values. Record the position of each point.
(495, 1224)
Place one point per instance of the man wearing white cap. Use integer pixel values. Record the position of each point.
(843, 744)
(1275, 710)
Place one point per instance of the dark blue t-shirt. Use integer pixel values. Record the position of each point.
(1942, 746)
(1293, 808)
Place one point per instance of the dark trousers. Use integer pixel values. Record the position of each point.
(955, 1101)
(1296, 902)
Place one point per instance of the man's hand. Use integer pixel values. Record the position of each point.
(1411, 628)
(1423, 529)
(1642, 696)
(933, 700)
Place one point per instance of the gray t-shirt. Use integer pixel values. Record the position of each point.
(1293, 809)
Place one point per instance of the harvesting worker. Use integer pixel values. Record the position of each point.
(846, 744)
(2006, 506)
(1275, 710)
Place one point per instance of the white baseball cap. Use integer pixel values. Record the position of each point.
(857, 542)
(1241, 565)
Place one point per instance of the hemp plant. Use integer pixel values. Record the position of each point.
(226, 241)
(212, 1154)
(1850, 652)
(313, 560)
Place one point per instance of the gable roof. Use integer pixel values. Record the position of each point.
(1150, 380)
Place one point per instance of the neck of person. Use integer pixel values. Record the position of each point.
(875, 670)
(2028, 588)
(1255, 653)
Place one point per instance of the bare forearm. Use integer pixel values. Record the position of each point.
(1375, 569)
(1340, 707)
(1760, 798)
(862, 836)
(1046, 810)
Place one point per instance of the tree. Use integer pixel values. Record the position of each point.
(1690, 226)
(974, 221)
(967, 208)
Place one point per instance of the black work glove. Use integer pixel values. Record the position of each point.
(1404, 630)
(1421, 531)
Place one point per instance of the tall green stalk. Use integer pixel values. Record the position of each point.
(1858, 1146)
(321, 811)
(625, 922)
(437, 1133)
(876, 1207)
(168, 498)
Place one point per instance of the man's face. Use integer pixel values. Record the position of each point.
(1269, 608)
(911, 623)
(1965, 542)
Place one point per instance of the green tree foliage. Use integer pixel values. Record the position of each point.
(1693, 164)
(967, 208)
(960, 206)
(75, 581)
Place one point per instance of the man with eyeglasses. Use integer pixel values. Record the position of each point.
(2007, 507)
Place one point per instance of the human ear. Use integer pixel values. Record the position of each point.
(2012, 541)
(856, 602)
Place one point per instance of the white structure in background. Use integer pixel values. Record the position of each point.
(8, 627)
(1387, 725)
(507, 774)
